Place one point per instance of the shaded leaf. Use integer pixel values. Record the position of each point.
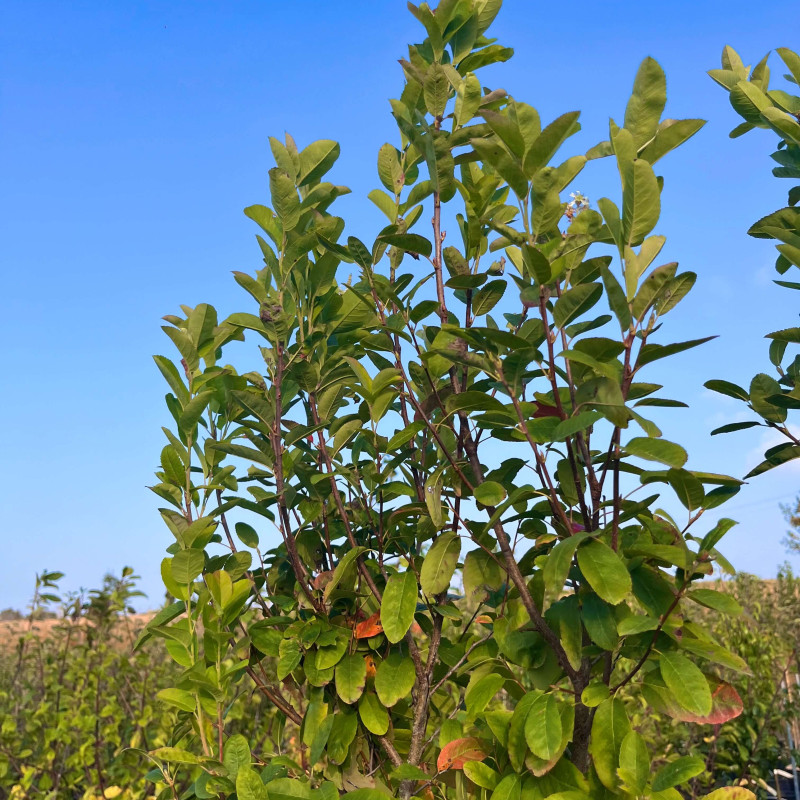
(398, 605)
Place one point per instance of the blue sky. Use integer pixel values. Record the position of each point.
(133, 134)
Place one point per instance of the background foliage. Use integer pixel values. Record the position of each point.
(73, 697)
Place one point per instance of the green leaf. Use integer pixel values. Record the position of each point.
(575, 302)
(316, 160)
(395, 677)
(479, 694)
(351, 677)
(481, 774)
(678, 771)
(408, 772)
(290, 656)
(507, 129)
(193, 410)
(175, 755)
(186, 565)
(482, 571)
(762, 387)
(749, 101)
(671, 134)
(719, 601)
(284, 198)
(781, 224)
(342, 568)
(604, 570)
(517, 745)
(660, 450)
(776, 456)
(163, 617)
(556, 568)
(384, 203)
(361, 255)
(734, 426)
(343, 731)
(792, 61)
(490, 151)
(398, 605)
(688, 488)
(549, 141)
(490, 493)
(247, 534)
(410, 242)
(440, 564)
(180, 698)
(641, 202)
(390, 170)
(634, 763)
(617, 301)
(289, 789)
(488, 296)
(714, 536)
(609, 729)
(172, 377)
(468, 99)
(727, 388)
(436, 90)
(509, 788)
(686, 682)
(236, 754)
(543, 727)
(373, 715)
(576, 424)
(249, 785)
(600, 622)
(594, 694)
(647, 102)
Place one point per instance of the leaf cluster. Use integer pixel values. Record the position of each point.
(770, 398)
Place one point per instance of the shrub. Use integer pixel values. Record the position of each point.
(768, 397)
(473, 585)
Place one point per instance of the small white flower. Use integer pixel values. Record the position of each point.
(579, 201)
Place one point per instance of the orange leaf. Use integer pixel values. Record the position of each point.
(456, 753)
(484, 619)
(371, 669)
(369, 627)
(322, 579)
(543, 410)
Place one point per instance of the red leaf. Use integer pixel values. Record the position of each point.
(456, 753)
(725, 702)
(543, 410)
(369, 627)
(725, 705)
